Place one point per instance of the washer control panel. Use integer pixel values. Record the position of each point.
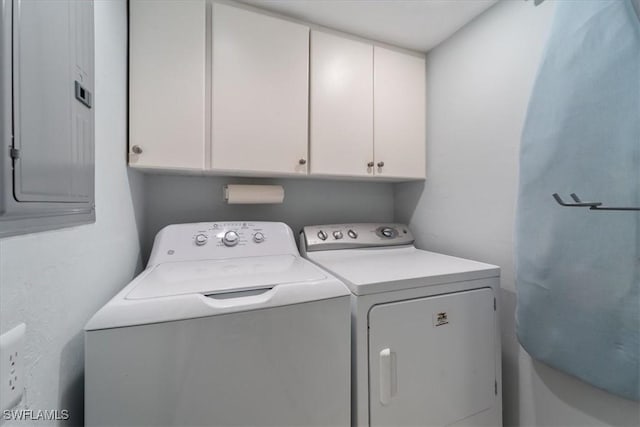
(351, 236)
(217, 240)
(230, 234)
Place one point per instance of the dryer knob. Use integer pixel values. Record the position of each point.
(337, 235)
(230, 238)
(388, 232)
(322, 235)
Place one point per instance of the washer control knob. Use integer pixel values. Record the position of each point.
(258, 237)
(322, 235)
(352, 234)
(337, 235)
(201, 239)
(388, 232)
(230, 238)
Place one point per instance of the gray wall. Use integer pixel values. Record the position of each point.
(174, 199)
(478, 84)
(54, 281)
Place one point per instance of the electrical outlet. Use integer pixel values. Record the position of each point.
(11, 366)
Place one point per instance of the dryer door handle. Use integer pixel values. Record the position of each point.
(388, 376)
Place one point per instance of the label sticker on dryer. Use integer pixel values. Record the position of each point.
(440, 318)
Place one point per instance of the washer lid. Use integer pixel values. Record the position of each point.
(209, 277)
(373, 270)
(191, 289)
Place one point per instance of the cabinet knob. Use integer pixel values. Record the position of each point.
(302, 161)
(380, 164)
(136, 149)
(370, 164)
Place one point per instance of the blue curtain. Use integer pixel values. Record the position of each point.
(578, 271)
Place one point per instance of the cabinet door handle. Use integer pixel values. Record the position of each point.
(302, 161)
(136, 149)
(370, 164)
(388, 376)
(380, 164)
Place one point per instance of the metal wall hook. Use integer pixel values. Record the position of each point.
(593, 206)
(575, 197)
(578, 204)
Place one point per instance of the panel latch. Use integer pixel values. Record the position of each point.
(82, 94)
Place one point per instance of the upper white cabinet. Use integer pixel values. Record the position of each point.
(341, 106)
(367, 110)
(217, 87)
(167, 84)
(399, 114)
(260, 93)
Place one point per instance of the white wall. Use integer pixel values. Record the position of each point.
(173, 199)
(478, 84)
(54, 281)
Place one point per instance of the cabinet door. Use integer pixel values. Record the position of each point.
(399, 114)
(341, 110)
(432, 360)
(167, 84)
(53, 131)
(260, 93)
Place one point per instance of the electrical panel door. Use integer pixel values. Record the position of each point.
(53, 101)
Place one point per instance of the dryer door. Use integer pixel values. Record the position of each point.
(432, 360)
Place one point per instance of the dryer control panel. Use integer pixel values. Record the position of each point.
(220, 240)
(351, 236)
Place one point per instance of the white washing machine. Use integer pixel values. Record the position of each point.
(227, 326)
(425, 331)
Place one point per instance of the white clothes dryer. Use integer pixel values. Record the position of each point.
(227, 326)
(425, 331)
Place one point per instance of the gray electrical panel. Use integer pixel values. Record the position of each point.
(47, 115)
